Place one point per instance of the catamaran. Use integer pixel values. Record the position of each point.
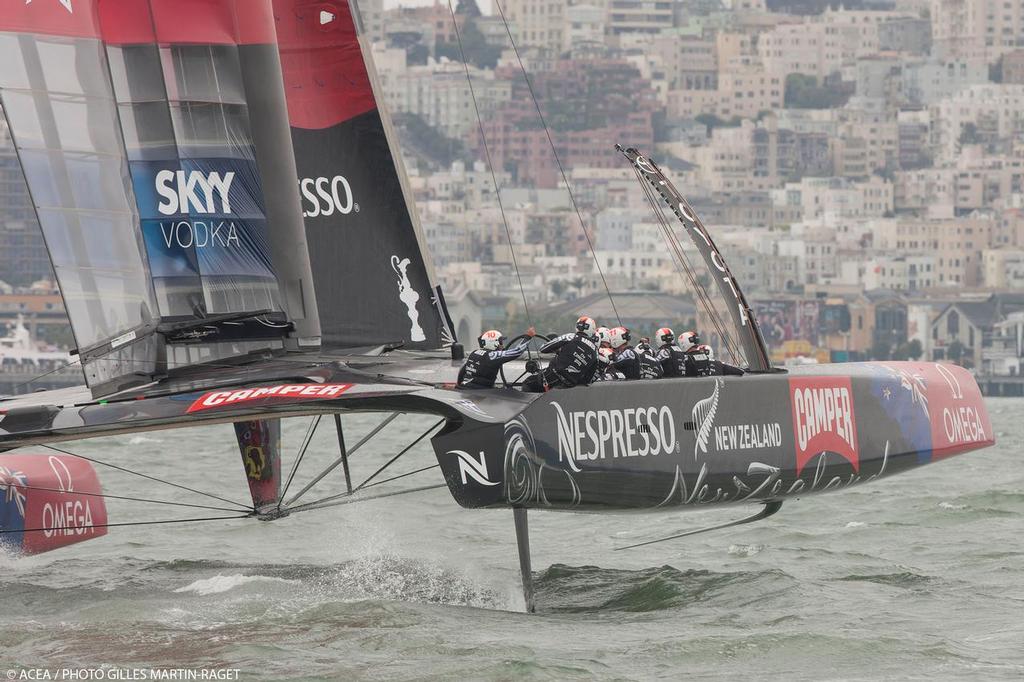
(234, 238)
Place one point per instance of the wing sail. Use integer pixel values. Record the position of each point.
(154, 139)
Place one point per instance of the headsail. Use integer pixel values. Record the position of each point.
(153, 135)
(374, 278)
(748, 333)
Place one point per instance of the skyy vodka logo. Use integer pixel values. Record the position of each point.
(591, 435)
(191, 193)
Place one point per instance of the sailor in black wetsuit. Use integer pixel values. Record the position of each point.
(671, 356)
(700, 361)
(639, 362)
(482, 365)
(605, 371)
(575, 362)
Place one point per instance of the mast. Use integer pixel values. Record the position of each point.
(748, 333)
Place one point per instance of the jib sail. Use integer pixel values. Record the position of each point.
(154, 139)
(374, 281)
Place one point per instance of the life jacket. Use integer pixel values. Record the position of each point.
(673, 360)
(698, 363)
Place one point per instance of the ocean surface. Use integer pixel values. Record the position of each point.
(920, 576)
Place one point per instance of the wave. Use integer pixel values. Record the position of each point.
(222, 583)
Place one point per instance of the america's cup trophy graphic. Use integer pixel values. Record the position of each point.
(408, 296)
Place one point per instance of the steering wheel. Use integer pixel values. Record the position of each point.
(529, 351)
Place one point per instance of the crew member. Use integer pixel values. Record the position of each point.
(483, 364)
(700, 360)
(639, 362)
(671, 356)
(618, 339)
(575, 360)
(605, 371)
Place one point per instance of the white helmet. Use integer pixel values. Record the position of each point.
(603, 335)
(706, 349)
(586, 325)
(687, 340)
(491, 340)
(604, 356)
(618, 337)
(665, 335)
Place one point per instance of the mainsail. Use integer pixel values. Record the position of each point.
(374, 281)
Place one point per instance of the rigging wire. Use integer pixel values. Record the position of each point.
(490, 163)
(119, 497)
(558, 162)
(366, 483)
(703, 296)
(402, 452)
(123, 523)
(146, 476)
(310, 430)
(323, 504)
(347, 455)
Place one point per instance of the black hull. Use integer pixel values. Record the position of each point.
(650, 445)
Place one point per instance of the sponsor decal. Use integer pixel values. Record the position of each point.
(823, 419)
(473, 467)
(66, 517)
(408, 296)
(12, 482)
(472, 407)
(958, 419)
(282, 392)
(255, 462)
(326, 196)
(590, 435)
(734, 437)
(193, 191)
(703, 414)
(729, 437)
(685, 213)
(66, 4)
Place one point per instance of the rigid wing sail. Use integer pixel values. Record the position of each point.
(220, 194)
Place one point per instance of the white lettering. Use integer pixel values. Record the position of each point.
(599, 434)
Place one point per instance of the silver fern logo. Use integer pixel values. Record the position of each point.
(704, 419)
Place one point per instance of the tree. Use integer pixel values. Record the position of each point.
(914, 350)
(803, 92)
(955, 352)
(468, 8)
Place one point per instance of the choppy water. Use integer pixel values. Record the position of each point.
(919, 576)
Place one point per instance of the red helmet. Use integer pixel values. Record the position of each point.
(618, 337)
(665, 335)
(586, 325)
(687, 340)
(491, 340)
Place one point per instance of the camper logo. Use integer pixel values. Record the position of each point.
(823, 419)
(473, 467)
(283, 392)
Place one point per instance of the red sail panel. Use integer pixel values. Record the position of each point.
(325, 78)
